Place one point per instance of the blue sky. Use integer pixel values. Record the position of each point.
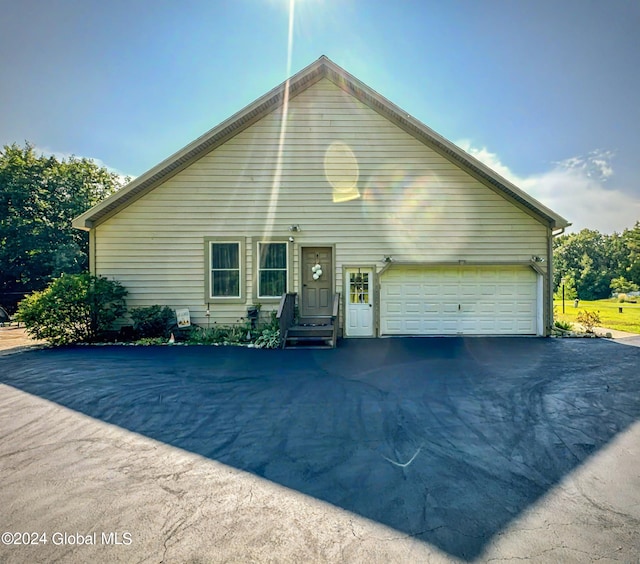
(544, 91)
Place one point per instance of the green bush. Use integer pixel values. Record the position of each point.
(148, 341)
(268, 339)
(564, 325)
(73, 308)
(220, 335)
(266, 336)
(153, 321)
(213, 336)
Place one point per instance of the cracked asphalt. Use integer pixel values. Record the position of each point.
(403, 450)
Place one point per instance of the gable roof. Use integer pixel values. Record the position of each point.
(322, 68)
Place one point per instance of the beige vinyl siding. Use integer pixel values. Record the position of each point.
(411, 204)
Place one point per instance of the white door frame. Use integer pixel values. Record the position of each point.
(364, 308)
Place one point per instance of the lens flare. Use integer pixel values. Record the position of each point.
(342, 171)
(413, 207)
(277, 177)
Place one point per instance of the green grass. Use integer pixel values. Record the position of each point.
(610, 317)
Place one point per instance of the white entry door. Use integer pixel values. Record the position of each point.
(359, 302)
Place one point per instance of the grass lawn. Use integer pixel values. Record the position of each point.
(610, 317)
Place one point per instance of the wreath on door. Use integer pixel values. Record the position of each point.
(317, 271)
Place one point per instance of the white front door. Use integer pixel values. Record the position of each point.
(359, 302)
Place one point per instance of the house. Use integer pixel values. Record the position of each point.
(323, 187)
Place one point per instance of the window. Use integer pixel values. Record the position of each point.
(359, 287)
(272, 269)
(224, 281)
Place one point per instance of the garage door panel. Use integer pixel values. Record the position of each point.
(523, 292)
(393, 290)
(430, 326)
(487, 308)
(448, 308)
(448, 328)
(488, 292)
(502, 308)
(453, 300)
(469, 291)
(432, 290)
(393, 308)
(392, 327)
(412, 290)
(430, 308)
(450, 291)
(525, 327)
(506, 290)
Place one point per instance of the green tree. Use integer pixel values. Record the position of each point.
(621, 285)
(570, 292)
(584, 257)
(594, 280)
(631, 242)
(39, 196)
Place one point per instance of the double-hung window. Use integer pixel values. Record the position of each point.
(272, 269)
(225, 272)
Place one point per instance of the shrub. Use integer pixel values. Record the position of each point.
(274, 322)
(73, 308)
(148, 341)
(564, 325)
(589, 320)
(216, 335)
(268, 339)
(153, 321)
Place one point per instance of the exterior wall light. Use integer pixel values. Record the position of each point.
(294, 228)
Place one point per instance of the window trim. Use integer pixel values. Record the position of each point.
(256, 284)
(208, 245)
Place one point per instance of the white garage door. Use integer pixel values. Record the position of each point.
(469, 300)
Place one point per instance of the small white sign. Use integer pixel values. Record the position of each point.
(183, 317)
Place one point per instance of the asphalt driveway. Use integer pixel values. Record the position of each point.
(398, 449)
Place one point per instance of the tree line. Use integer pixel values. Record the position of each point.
(39, 196)
(595, 265)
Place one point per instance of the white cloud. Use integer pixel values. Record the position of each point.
(597, 164)
(574, 188)
(66, 156)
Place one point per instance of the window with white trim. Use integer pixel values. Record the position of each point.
(225, 269)
(272, 269)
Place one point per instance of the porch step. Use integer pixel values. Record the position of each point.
(309, 336)
(317, 332)
(310, 331)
